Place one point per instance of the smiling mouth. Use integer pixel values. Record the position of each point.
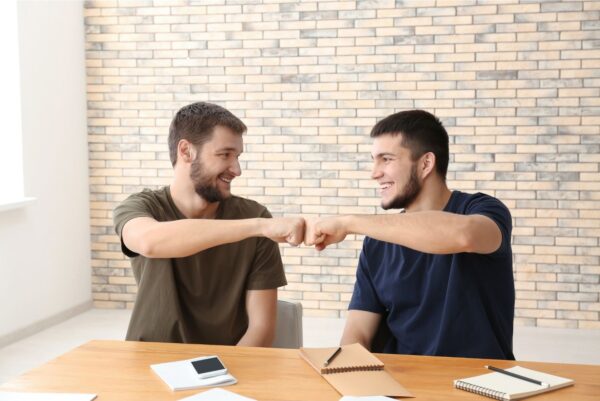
(226, 179)
(384, 186)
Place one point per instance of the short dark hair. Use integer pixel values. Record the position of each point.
(421, 132)
(196, 123)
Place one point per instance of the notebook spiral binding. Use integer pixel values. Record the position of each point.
(497, 395)
(351, 369)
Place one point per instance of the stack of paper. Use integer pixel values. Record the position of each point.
(181, 375)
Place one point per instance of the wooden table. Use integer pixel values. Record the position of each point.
(120, 371)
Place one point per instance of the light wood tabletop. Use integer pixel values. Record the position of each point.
(120, 371)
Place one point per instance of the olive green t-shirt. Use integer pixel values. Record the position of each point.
(199, 298)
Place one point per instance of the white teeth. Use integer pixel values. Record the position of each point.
(227, 180)
(385, 186)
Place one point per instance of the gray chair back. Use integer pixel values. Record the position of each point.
(288, 331)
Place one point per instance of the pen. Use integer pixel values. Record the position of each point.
(330, 359)
(527, 379)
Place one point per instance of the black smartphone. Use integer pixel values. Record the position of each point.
(209, 366)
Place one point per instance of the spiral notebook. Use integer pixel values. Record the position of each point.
(503, 387)
(354, 371)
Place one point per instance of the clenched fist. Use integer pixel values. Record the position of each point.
(325, 231)
(284, 229)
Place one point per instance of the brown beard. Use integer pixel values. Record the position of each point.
(202, 183)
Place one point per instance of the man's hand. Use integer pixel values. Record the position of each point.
(325, 231)
(284, 229)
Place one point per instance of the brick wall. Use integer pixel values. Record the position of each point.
(517, 84)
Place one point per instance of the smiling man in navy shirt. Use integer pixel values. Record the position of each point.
(439, 276)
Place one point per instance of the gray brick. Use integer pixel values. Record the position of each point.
(578, 278)
(497, 75)
(578, 296)
(318, 15)
(318, 33)
(561, 7)
(544, 176)
(561, 158)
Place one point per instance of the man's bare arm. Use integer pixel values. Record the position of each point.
(361, 327)
(261, 306)
(427, 231)
(180, 238)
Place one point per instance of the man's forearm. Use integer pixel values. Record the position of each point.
(181, 238)
(428, 231)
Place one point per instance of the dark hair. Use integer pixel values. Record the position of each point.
(196, 122)
(421, 132)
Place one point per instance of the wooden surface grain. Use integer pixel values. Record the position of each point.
(120, 371)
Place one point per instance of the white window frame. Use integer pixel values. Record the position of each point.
(11, 147)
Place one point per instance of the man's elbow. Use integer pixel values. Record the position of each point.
(143, 247)
(466, 241)
(472, 240)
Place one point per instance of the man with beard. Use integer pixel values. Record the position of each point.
(205, 261)
(438, 277)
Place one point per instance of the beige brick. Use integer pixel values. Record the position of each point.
(452, 20)
(588, 324)
(320, 313)
(108, 305)
(557, 323)
(535, 313)
(577, 315)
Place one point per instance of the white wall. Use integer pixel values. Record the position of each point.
(45, 246)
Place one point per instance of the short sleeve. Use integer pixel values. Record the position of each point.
(132, 207)
(364, 296)
(494, 209)
(267, 268)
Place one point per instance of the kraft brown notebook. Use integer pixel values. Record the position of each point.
(354, 371)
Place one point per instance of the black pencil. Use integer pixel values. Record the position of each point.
(328, 361)
(506, 372)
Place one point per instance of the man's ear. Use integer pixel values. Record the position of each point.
(185, 151)
(427, 164)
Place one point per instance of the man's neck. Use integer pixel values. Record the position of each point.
(433, 196)
(192, 205)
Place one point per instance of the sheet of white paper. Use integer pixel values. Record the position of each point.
(369, 398)
(217, 394)
(6, 396)
(180, 375)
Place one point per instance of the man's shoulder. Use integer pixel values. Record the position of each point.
(161, 192)
(476, 196)
(149, 194)
(147, 199)
(148, 202)
(462, 201)
(146, 195)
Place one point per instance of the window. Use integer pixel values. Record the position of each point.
(11, 151)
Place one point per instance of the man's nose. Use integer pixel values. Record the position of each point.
(236, 168)
(376, 171)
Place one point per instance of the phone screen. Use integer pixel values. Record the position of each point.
(207, 365)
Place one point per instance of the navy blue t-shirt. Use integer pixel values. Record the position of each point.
(449, 305)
